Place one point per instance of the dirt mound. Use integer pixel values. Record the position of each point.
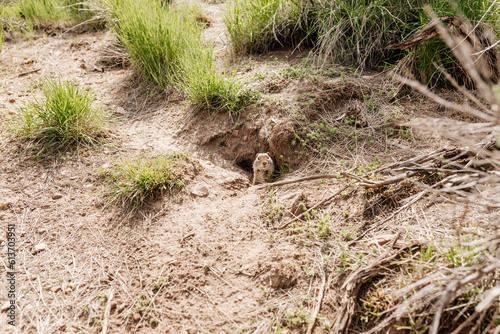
(280, 144)
(329, 97)
(281, 275)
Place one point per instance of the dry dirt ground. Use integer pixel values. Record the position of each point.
(186, 263)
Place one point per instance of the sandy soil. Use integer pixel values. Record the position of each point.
(187, 263)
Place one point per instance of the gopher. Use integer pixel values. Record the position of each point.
(262, 165)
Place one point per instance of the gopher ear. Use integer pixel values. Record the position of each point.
(256, 155)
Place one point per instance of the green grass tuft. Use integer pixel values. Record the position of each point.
(43, 12)
(154, 36)
(258, 25)
(207, 88)
(65, 117)
(166, 47)
(133, 181)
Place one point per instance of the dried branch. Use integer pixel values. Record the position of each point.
(354, 282)
(318, 304)
(302, 179)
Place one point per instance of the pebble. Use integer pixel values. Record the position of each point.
(41, 230)
(56, 196)
(68, 290)
(137, 317)
(40, 247)
(200, 191)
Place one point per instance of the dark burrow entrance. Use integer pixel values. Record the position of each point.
(246, 165)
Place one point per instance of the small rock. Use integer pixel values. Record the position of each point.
(106, 166)
(68, 290)
(240, 298)
(236, 133)
(41, 230)
(98, 68)
(12, 100)
(54, 234)
(40, 247)
(5, 306)
(245, 138)
(137, 317)
(200, 191)
(56, 289)
(56, 196)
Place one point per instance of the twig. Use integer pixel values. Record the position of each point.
(438, 170)
(314, 207)
(318, 304)
(29, 72)
(107, 311)
(307, 178)
(388, 181)
(186, 237)
(438, 99)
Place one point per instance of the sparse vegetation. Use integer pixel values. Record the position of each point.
(298, 317)
(133, 181)
(273, 211)
(66, 117)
